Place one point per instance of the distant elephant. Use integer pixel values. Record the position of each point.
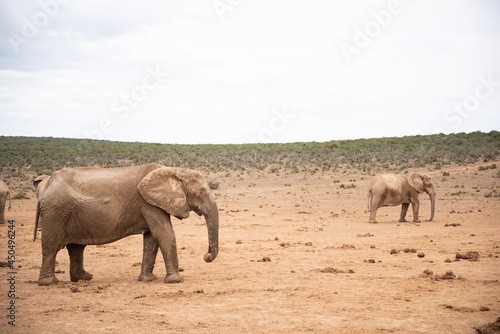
(4, 193)
(93, 206)
(392, 190)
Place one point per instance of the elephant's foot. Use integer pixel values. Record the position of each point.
(81, 275)
(49, 280)
(147, 277)
(373, 222)
(417, 221)
(403, 220)
(173, 278)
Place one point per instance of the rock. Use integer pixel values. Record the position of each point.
(393, 251)
(428, 272)
(420, 255)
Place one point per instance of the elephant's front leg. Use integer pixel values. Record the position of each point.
(161, 229)
(415, 206)
(404, 210)
(76, 270)
(373, 206)
(149, 252)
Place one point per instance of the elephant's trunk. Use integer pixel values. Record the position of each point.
(212, 219)
(432, 196)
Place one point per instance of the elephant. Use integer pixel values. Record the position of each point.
(4, 193)
(39, 183)
(93, 206)
(392, 190)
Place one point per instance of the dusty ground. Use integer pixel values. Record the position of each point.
(328, 270)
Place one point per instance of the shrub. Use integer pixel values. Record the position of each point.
(214, 185)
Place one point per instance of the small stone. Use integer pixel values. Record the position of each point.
(308, 244)
(393, 251)
(428, 272)
(421, 255)
(74, 289)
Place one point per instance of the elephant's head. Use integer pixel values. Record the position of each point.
(179, 191)
(423, 183)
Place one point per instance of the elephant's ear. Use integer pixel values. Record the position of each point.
(39, 179)
(415, 180)
(162, 188)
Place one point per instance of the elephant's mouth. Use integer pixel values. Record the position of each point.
(197, 210)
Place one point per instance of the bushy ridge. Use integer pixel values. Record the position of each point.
(43, 155)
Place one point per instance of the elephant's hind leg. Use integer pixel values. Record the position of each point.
(47, 272)
(404, 210)
(150, 249)
(76, 270)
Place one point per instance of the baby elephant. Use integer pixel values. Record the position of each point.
(392, 190)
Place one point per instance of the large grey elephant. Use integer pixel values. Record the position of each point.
(4, 193)
(392, 190)
(92, 206)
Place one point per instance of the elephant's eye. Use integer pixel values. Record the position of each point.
(202, 192)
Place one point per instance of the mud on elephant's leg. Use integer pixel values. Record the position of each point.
(404, 210)
(150, 250)
(76, 270)
(162, 231)
(168, 247)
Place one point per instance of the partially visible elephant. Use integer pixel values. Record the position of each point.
(39, 183)
(93, 206)
(392, 190)
(4, 193)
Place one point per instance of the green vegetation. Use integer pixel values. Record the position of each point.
(45, 155)
(483, 168)
(458, 193)
(492, 193)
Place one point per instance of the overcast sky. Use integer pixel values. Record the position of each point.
(240, 71)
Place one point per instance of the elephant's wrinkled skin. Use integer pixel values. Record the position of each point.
(392, 190)
(92, 206)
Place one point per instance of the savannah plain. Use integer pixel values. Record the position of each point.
(297, 255)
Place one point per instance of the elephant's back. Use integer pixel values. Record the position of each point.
(388, 181)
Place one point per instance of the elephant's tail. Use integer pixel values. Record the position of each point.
(10, 206)
(370, 200)
(36, 219)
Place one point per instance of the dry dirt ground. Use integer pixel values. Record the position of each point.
(297, 254)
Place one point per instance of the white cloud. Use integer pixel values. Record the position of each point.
(227, 77)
